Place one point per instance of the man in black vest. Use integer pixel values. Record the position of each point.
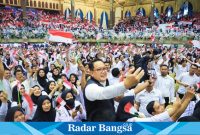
(99, 95)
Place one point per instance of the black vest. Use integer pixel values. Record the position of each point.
(93, 107)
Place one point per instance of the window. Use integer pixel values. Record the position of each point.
(11, 1)
(46, 5)
(7, 1)
(54, 6)
(31, 3)
(39, 4)
(27, 3)
(42, 4)
(1, 1)
(15, 2)
(50, 5)
(35, 4)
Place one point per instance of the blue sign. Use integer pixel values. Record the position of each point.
(55, 128)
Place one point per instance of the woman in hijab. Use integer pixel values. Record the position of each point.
(56, 74)
(126, 109)
(15, 114)
(76, 88)
(42, 78)
(45, 111)
(72, 110)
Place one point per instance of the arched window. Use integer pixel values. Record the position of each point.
(35, 4)
(39, 4)
(46, 4)
(27, 3)
(50, 5)
(42, 4)
(15, 2)
(31, 3)
(11, 1)
(54, 5)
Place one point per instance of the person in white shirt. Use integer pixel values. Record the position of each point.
(72, 111)
(99, 95)
(116, 74)
(181, 68)
(165, 84)
(164, 60)
(149, 94)
(126, 112)
(187, 79)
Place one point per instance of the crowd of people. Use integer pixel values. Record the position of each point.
(38, 23)
(108, 82)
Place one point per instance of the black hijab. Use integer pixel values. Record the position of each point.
(56, 77)
(70, 104)
(125, 104)
(42, 80)
(11, 112)
(40, 115)
(35, 98)
(47, 90)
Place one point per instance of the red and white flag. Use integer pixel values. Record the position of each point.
(67, 84)
(60, 36)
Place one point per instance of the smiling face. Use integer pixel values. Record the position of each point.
(41, 73)
(37, 91)
(52, 86)
(46, 105)
(99, 72)
(19, 117)
(72, 79)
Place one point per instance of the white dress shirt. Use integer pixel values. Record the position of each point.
(144, 97)
(94, 92)
(187, 79)
(166, 86)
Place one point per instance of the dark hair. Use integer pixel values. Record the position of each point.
(150, 108)
(91, 64)
(76, 78)
(163, 65)
(16, 71)
(115, 72)
(188, 118)
(196, 113)
(63, 75)
(11, 112)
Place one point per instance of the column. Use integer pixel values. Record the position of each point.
(151, 14)
(111, 14)
(72, 8)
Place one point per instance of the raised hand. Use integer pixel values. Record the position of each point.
(133, 78)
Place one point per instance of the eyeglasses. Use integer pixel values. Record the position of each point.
(100, 69)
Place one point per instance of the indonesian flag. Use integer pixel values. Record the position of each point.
(129, 108)
(60, 36)
(60, 102)
(67, 84)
